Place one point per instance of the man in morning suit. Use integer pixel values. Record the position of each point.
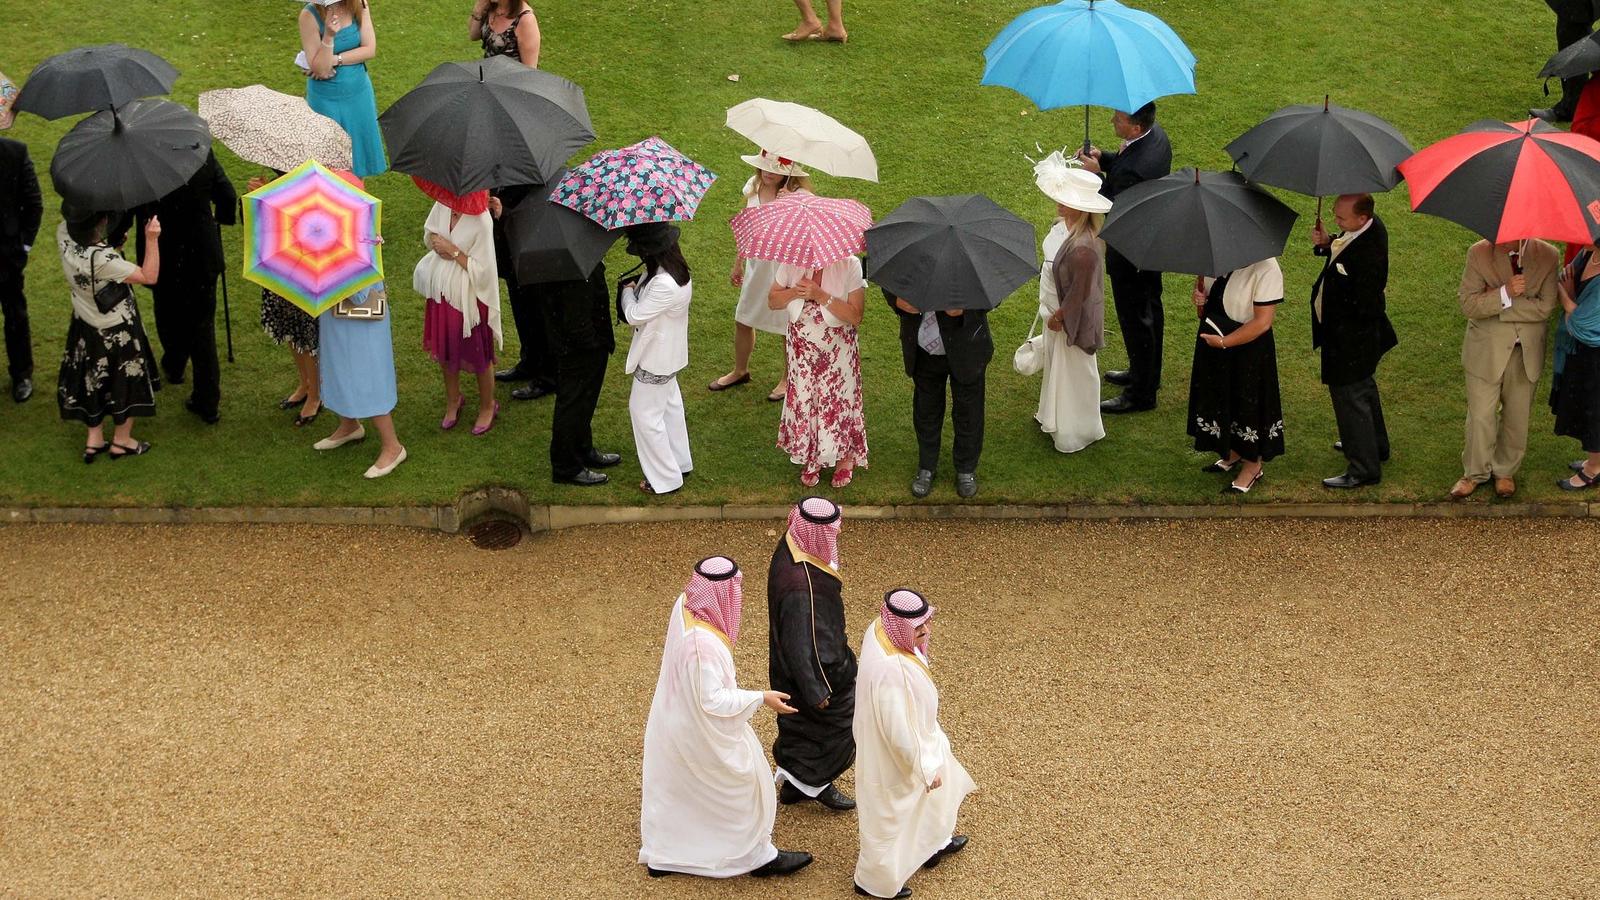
(1574, 20)
(1146, 153)
(577, 316)
(20, 211)
(954, 346)
(1350, 325)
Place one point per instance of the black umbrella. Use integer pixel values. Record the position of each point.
(1200, 223)
(964, 252)
(119, 159)
(94, 78)
(1574, 60)
(488, 123)
(552, 243)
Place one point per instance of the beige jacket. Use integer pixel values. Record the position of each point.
(1492, 331)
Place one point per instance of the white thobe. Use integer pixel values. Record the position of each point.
(708, 802)
(900, 749)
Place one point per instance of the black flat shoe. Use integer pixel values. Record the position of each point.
(1585, 480)
(1220, 467)
(787, 862)
(514, 373)
(1577, 465)
(1235, 489)
(956, 845)
(921, 486)
(303, 421)
(1122, 404)
(139, 449)
(789, 795)
(904, 892)
(531, 391)
(291, 401)
(598, 459)
(832, 799)
(22, 389)
(90, 454)
(584, 478)
(1347, 481)
(1119, 377)
(211, 417)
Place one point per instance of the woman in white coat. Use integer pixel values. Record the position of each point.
(658, 309)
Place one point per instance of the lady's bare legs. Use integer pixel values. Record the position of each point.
(310, 384)
(744, 342)
(391, 448)
(809, 23)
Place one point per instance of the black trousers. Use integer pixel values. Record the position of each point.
(538, 359)
(579, 376)
(19, 339)
(186, 324)
(1568, 33)
(1137, 295)
(927, 413)
(1359, 413)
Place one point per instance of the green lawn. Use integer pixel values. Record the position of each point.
(908, 81)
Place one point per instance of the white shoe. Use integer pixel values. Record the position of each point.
(333, 443)
(379, 471)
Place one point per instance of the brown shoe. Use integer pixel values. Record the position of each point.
(1463, 489)
(1504, 487)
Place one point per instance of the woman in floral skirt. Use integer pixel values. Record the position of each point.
(823, 424)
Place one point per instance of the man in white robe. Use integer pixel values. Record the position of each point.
(908, 785)
(708, 801)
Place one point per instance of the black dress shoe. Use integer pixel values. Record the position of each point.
(210, 417)
(921, 486)
(1119, 377)
(514, 373)
(22, 389)
(904, 892)
(531, 391)
(967, 485)
(599, 459)
(1121, 404)
(584, 478)
(832, 799)
(1551, 114)
(787, 862)
(789, 795)
(956, 845)
(1347, 481)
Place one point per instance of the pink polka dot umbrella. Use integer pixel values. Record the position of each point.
(312, 237)
(802, 229)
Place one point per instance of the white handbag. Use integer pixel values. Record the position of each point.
(1029, 358)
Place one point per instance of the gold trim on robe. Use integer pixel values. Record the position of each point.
(801, 556)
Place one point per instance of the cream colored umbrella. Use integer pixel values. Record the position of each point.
(273, 129)
(806, 136)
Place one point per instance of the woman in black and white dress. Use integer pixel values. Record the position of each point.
(1235, 409)
(108, 368)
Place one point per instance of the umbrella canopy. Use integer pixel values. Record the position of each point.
(486, 123)
(805, 135)
(644, 182)
(1511, 180)
(1322, 150)
(550, 242)
(963, 252)
(1089, 52)
(1200, 223)
(312, 237)
(119, 159)
(93, 78)
(1574, 60)
(802, 229)
(275, 130)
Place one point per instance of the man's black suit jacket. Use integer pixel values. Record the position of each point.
(190, 242)
(1147, 158)
(21, 206)
(968, 345)
(1355, 332)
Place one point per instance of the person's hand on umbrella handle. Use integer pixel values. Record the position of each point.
(775, 701)
(1517, 285)
(152, 228)
(1199, 300)
(495, 207)
(1091, 161)
(806, 287)
(1319, 236)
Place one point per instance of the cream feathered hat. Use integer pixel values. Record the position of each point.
(1069, 185)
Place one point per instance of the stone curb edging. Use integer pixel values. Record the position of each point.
(509, 503)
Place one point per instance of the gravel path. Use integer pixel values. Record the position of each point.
(1199, 709)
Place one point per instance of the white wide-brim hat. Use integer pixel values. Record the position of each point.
(768, 162)
(1069, 186)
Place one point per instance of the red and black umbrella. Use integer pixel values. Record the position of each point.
(1511, 180)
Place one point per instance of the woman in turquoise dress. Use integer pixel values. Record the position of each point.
(338, 39)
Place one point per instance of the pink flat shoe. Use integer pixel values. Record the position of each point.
(484, 429)
(449, 421)
(843, 477)
(810, 477)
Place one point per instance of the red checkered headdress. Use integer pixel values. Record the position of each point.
(814, 524)
(903, 610)
(715, 594)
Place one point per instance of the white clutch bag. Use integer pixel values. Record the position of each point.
(301, 64)
(1029, 358)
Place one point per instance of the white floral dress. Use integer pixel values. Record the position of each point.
(108, 368)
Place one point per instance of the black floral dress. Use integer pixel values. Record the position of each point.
(108, 368)
(1234, 405)
(503, 42)
(288, 324)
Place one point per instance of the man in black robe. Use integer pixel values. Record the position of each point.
(809, 657)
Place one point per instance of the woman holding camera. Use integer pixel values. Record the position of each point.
(108, 368)
(337, 40)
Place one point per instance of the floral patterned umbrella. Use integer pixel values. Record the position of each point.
(802, 229)
(645, 182)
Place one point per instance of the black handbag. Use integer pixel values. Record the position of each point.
(112, 295)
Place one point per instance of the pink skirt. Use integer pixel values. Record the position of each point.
(441, 337)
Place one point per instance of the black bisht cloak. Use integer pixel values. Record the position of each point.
(809, 658)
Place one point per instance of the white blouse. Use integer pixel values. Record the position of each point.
(1259, 282)
(840, 279)
(444, 280)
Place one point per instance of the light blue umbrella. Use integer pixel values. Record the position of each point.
(1089, 52)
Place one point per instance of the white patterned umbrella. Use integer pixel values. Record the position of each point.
(272, 129)
(805, 135)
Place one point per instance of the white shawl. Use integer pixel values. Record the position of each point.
(442, 279)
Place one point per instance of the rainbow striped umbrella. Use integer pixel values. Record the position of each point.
(312, 237)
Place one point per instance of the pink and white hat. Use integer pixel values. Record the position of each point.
(903, 611)
(715, 595)
(814, 523)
